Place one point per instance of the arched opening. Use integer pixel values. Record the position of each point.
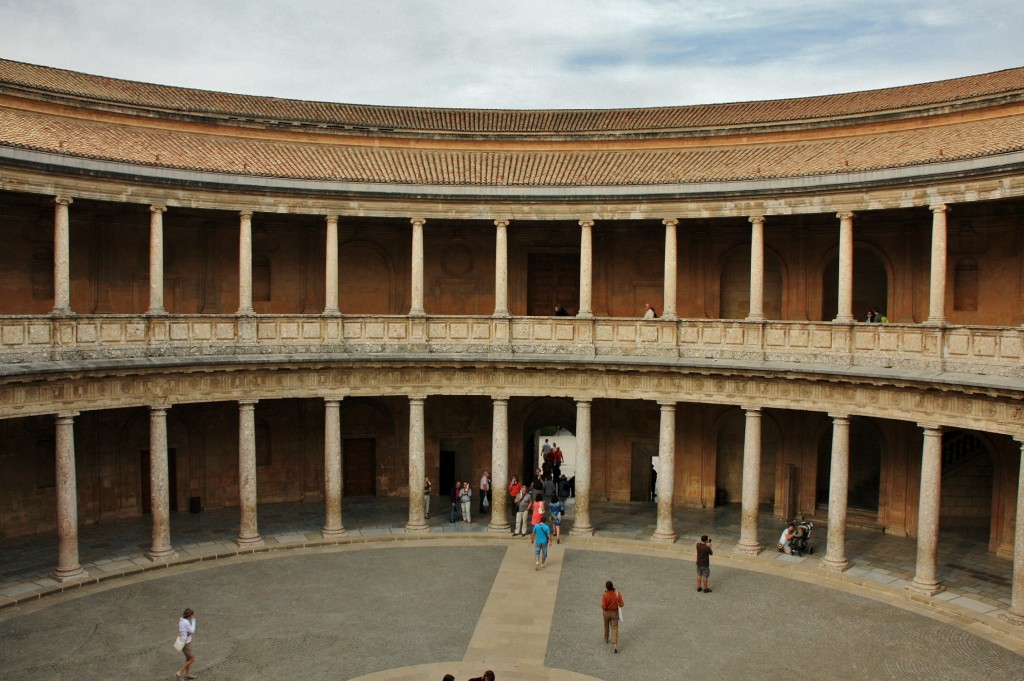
(552, 419)
(729, 454)
(870, 286)
(735, 286)
(865, 477)
(967, 472)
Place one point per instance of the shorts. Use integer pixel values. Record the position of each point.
(541, 550)
(703, 570)
(558, 520)
(187, 650)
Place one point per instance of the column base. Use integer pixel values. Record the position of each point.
(68, 574)
(582, 531)
(748, 549)
(248, 542)
(161, 554)
(584, 315)
(665, 537)
(925, 588)
(1013, 618)
(499, 527)
(418, 527)
(844, 320)
(830, 565)
(333, 533)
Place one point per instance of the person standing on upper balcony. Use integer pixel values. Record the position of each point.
(560, 311)
(649, 313)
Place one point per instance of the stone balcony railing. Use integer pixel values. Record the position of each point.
(981, 351)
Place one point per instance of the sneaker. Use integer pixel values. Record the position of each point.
(615, 650)
(707, 591)
(699, 589)
(536, 566)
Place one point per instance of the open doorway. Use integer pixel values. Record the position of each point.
(643, 476)
(455, 463)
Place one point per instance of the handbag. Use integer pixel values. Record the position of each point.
(620, 607)
(179, 643)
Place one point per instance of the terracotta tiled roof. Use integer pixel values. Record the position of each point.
(512, 167)
(58, 82)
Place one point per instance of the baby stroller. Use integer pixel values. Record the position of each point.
(801, 542)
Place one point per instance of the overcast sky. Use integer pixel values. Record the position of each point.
(520, 53)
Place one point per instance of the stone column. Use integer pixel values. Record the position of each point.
(417, 309)
(501, 270)
(1016, 612)
(586, 268)
(245, 262)
(248, 534)
(666, 473)
(749, 542)
(756, 313)
(925, 580)
(417, 465)
(671, 269)
(68, 567)
(844, 314)
(581, 523)
(156, 260)
(937, 290)
(838, 490)
(499, 466)
(333, 481)
(159, 486)
(61, 256)
(331, 271)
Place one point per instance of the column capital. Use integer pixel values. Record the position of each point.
(158, 408)
(667, 405)
(930, 427)
(418, 398)
(245, 213)
(846, 215)
(586, 224)
(247, 404)
(333, 401)
(417, 222)
(502, 222)
(66, 415)
(583, 401)
(751, 409)
(500, 398)
(836, 416)
(756, 219)
(940, 208)
(331, 219)
(63, 200)
(157, 208)
(670, 222)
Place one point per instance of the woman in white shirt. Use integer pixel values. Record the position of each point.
(186, 630)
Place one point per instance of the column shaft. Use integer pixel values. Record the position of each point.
(749, 542)
(245, 262)
(248, 533)
(665, 531)
(581, 523)
(586, 268)
(501, 269)
(159, 486)
(937, 290)
(499, 466)
(156, 260)
(331, 265)
(671, 270)
(844, 314)
(333, 482)
(61, 256)
(838, 491)
(925, 580)
(68, 566)
(417, 308)
(1016, 613)
(417, 466)
(756, 269)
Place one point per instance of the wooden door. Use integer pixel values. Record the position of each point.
(360, 464)
(552, 279)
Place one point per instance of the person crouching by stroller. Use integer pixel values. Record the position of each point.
(786, 539)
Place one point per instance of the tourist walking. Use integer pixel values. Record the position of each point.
(537, 509)
(485, 492)
(611, 602)
(555, 509)
(513, 501)
(186, 630)
(704, 554)
(466, 499)
(523, 504)
(540, 539)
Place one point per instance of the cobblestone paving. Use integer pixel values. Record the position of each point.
(402, 610)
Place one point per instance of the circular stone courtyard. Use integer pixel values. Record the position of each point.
(417, 610)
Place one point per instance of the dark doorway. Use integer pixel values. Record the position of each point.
(865, 468)
(553, 279)
(642, 478)
(456, 463)
(870, 286)
(360, 467)
(172, 480)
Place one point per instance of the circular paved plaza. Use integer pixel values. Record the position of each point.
(417, 610)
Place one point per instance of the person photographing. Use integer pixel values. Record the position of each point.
(704, 554)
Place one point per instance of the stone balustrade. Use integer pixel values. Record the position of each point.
(983, 351)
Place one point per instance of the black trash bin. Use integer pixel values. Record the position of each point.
(195, 505)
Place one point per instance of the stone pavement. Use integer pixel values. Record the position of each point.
(471, 620)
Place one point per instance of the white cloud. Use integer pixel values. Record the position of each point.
(525, 54)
